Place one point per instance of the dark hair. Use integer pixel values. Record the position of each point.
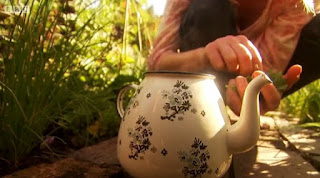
(206, 20)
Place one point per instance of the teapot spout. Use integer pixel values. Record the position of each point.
(244, 134)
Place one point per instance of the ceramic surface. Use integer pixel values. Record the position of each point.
(175, 125)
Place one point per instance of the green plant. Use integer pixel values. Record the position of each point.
(61, 66)
(33, 83)
(305, 103)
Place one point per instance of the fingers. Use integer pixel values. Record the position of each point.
(233, 100)
(241, 84)
(256, 57)
(243, 58)
(236, 89)
(293, 75)
(214, 56)
(271, 96)
(270, 93)
(228, 54)
(235, 54)
(235, 93)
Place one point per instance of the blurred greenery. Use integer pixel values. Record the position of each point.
(304, 104)
(61, 66)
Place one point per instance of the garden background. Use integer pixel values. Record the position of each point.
(62, 63)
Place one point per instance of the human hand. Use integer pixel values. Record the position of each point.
(235, 54)
(271, 95)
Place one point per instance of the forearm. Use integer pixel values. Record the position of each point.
(189, 61)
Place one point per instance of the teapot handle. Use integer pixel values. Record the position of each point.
(120, 98)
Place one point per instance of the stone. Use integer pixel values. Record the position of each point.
(94, 161)
(316, 161)
(303, 139)
(68, 167)
(272, 158)
(104, 153)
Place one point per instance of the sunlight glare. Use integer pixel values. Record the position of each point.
(158, 6)
(94, 4)
(313, 172)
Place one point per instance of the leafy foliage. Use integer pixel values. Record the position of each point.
(61, 65)
(304, 104)
(276, 77)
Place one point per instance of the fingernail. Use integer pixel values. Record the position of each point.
(255, 74)
(241, 79)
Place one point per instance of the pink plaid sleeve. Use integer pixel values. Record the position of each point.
(279, 39)
(167, 38)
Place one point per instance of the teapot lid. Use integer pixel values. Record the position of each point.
(181, 72)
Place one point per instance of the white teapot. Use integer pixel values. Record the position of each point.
(176, 125)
